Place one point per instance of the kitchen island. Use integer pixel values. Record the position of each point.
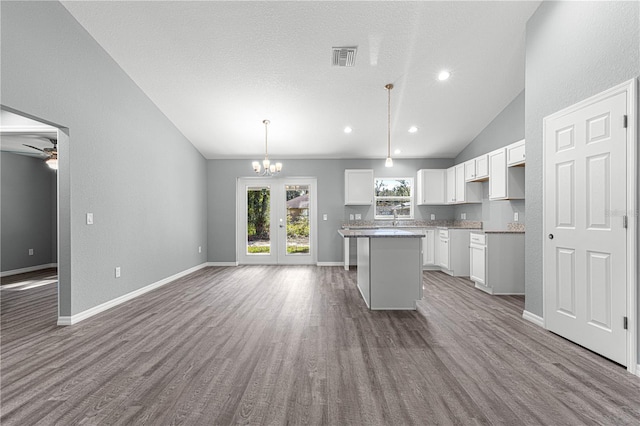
(389, 266)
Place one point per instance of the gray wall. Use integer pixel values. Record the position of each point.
(574, 50)
(506, 128)
(27, 217)
(123, 160)
(223, 174)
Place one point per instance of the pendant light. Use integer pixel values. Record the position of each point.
(268, 168)
(389, 161)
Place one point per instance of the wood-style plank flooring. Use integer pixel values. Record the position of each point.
(296, 345)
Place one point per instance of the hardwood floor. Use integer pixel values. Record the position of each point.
(276, 345)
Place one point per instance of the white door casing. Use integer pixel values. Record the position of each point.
(588, 253)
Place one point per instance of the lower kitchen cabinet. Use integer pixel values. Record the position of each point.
(452, 251)
(429, 257)
(497, 262)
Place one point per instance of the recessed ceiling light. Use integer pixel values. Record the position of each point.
(348, 129)
(444, 74)
(397, 151)
(413, 129)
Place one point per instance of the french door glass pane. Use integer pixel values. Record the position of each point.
(297, 198)
(258, 220)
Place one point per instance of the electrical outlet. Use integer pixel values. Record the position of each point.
(358, 216)
(433, 216)
(350, 217)
(89, 218)
(325, 217)
(30, 252)
(117, 272)
(516, 216)
(463, 216)
(199, 249)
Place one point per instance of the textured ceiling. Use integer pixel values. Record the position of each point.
(217, 69)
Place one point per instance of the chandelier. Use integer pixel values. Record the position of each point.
(267, 169)
(389, 161)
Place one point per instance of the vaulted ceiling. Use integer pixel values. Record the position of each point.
(217, 69)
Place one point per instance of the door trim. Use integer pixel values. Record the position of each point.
(631, 89)
(313, 216)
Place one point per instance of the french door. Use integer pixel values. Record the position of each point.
(276, 221)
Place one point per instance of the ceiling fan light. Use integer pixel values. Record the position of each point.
(389, 162)
(52, 163)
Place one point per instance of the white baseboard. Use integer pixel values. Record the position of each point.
(537, 320)
(222, 264)
(638, 370)
(28, 269)
(74, 319)
(330, 263)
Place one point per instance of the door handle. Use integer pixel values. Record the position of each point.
(281, 226)
(551, 236)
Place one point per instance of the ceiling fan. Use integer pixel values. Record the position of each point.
(52, 153)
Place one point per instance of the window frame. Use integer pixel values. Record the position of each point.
(409, 198)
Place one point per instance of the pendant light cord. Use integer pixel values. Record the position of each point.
(266, 145)
(389, 120)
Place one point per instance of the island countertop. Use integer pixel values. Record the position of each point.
(381, 233)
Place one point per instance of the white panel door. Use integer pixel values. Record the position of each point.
(585, 261)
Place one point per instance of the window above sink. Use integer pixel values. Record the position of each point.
(393, 195)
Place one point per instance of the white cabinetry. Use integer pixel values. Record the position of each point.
(460, 191)
(430, 186)
(453, 255)
(443, 249)
(451, 185)
(429, 249)
(505, 183)
(358, 187)
(477, 170)
(516, 154)
(477, 264)
(497, 262)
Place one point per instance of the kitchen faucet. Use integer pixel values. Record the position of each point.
(395, 217)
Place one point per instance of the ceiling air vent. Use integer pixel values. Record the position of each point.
(344, 56)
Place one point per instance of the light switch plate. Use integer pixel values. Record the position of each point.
(117, 272)
(30, 252)
(350, 217)
(433, 216)
(358, 216)
(325, 217)
(463, 216)
(516, 216)
(89, 218)
(199, 249)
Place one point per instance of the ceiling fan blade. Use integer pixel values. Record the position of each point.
(31, 146)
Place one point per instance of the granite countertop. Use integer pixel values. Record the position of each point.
(502, 231)
(512, 228)
(380, 233)
(403, 224)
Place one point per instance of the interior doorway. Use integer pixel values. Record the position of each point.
(31, 209)
(277, 221)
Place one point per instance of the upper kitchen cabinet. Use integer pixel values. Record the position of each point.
(430, 186)
(515, 154)
(358, 187)
(477, 170)
(505, 183)
(459, 191)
